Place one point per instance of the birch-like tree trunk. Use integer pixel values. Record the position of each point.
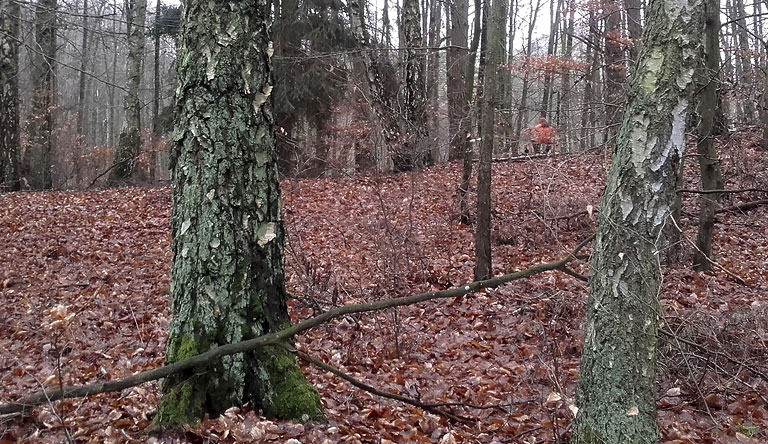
(616, 395)
(37, 156)
(9, 95)
(227, 275)
(129, 140)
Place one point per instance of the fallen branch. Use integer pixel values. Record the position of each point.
(743, 207)
(370, 389)
(277, 338)
(742, 190)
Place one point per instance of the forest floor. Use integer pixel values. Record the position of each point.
(84, 278)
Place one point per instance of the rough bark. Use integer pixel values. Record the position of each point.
(616, 392)
(129, 140)
(496, 26)
(9, 95)
(37, 156)
(227, 274)
(458, 103)
(383, 101)
(412, 153)
(709, 164)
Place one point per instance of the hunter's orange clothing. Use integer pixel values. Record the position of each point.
(543, 134)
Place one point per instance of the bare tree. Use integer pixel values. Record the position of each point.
(37, 156)
(129, 142)
(9, 95)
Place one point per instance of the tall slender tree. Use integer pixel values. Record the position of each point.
(523, 108)
(615, 67)
(616, 395)
(709, 164)
(9, 95)
(129, 141)
(37, 156)
(227, 274)
(491, 99)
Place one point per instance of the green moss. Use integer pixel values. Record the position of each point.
(180, 348)
(182, 403)
(180, 406)
(293, 397)
(587, 436)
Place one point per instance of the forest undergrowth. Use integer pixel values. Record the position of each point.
(85, 276)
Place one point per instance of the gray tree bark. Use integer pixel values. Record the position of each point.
(496, 29)
(616, 392)
(129, 140)
(458, 101)
(413, 151)
(709, 164)
(37, 156)
(227, 275)
(9, 95)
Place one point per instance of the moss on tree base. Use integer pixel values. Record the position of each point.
(290, 396)
(180, 406)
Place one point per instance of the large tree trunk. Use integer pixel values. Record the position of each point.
(413, 152)
(496, 27)
(9, 95)
(458, 105)
(37, 157)
(709, 164)
(228, 282)
(129, 141)
(616, 395)
(458, 99)
(382, 100)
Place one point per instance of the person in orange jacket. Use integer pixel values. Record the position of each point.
(543, 136)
